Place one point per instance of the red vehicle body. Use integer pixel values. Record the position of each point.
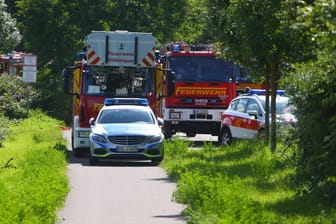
(11, 63)
(199, 86)
(116, 64)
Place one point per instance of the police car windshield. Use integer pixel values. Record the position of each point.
(121, 116)
(281, 104)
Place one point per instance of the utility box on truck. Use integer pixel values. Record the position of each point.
(115, 64)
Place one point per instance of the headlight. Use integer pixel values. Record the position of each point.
(155, 138)
(98, 138)
(83, 134)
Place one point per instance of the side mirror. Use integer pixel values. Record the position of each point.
(92, 121)
(160, 121)
(67, 75)
(65, 80)
(171, 76)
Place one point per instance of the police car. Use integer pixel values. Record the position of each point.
(126, 129)
(245, 116)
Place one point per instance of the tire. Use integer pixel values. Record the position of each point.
(78, 152)
(225, 137)
(158, 160)
(191, 134)
(261, 134)
(168, 133)
(155, 162)
(93, 160)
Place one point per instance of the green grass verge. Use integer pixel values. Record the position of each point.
(243, 183)
(33, 181)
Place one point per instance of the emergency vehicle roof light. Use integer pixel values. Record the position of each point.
(176, 48)
(81, 55)
(263, 92)
(126, 101)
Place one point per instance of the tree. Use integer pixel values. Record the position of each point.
(13, 97)
(313, 87)
(9, 34)
(194, 28)
(262, 34)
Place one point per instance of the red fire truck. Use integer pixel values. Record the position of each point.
(115, 64)
(11, 63)
(198, 87)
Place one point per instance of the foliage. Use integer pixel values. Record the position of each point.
(33, 182)
(194, 28)
(313, 87)
(10, 36)
(13, 97)
(51, 98)
(4, 124)
(242, 183)
(315, 134)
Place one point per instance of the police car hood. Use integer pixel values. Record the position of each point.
(126, 129)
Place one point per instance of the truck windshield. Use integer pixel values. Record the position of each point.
(118, 81)
(202, 69)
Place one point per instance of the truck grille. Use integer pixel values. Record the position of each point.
(127, 140)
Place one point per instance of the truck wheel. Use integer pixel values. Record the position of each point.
(168, 133)
(78, 152)
(225, 137)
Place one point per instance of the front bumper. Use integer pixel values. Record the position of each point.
(136, 152)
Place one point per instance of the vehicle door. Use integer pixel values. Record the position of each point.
(238, 117)
(255, 120)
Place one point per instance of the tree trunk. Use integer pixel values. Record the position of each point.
(267, 112)
(274, 87)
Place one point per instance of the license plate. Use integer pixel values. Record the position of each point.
(200, 111)
(127, 148)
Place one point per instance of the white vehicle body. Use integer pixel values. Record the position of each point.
(120, 48)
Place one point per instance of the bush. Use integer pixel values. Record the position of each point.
(13, 97)
(4, 124)
(33, 181)
(313, 90)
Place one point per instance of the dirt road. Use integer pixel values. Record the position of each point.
(118, 193)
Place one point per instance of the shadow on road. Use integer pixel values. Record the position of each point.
(84, 161)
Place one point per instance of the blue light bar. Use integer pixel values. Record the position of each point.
(126, 101)
(263, 92)
(81, 55)
(176, 48)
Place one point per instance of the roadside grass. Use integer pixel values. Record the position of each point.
(33, 181)
(242, 183)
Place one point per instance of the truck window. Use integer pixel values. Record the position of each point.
(201, 69)
(118, 81)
